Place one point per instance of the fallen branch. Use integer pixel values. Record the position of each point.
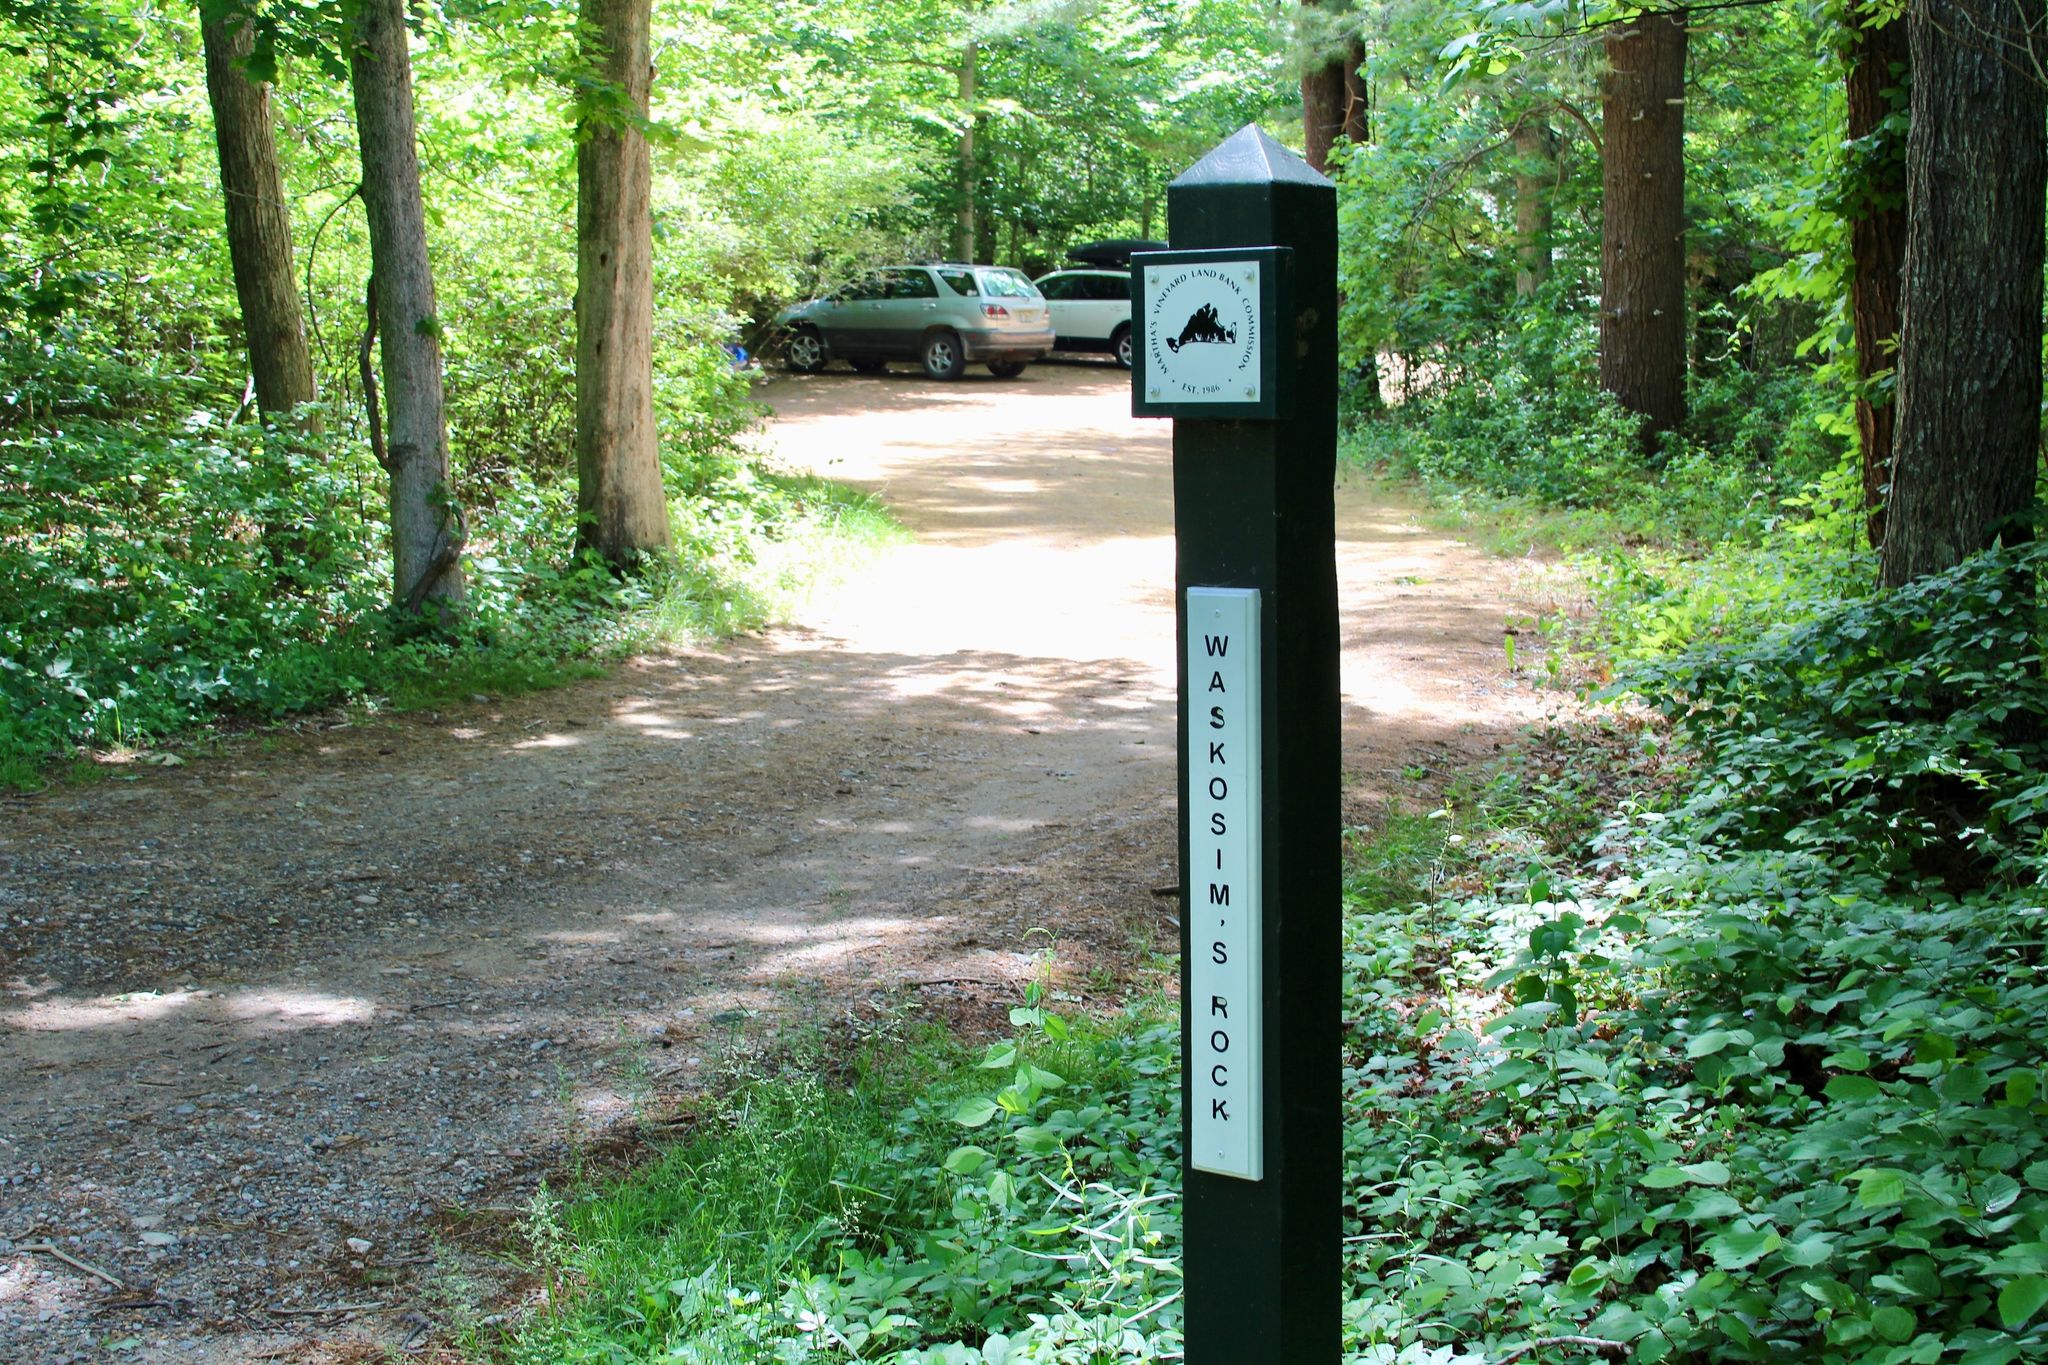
(68, 1259)
(328, 1311)
(1590, 1343)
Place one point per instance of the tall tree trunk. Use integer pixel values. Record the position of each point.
(963, 228)
(1325, 91)
(1969, 404)
(1535, 144)
(1879, 61)
(1642, 247)
(259, 223)
(426, 524)
(621, 510)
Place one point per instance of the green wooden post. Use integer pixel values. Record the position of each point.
(1239, 344)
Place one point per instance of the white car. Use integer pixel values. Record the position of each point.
(1091, 311)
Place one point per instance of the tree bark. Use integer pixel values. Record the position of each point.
(963, 227)
(1326, 91)
(1535, 143)
(1642, 247)
(1968, 431)
(621, 509)
(258, 221)
(426, 524)
(1357, 95)
(1879, 61)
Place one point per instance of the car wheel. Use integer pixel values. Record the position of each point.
(806, 351)
(869, 366)
(942, 356)
(1006, 369)
(1120, 343)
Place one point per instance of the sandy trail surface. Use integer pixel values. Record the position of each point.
(283, 1026)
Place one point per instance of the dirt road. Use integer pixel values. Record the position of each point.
(270, 1016)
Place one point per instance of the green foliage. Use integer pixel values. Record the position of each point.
(1763, 1074)
(159, 573)
(1897, 732)
(1529, 427)
(811, 1224)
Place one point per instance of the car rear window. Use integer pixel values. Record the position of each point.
(1006, 284)
(911, 284)
(960, 282)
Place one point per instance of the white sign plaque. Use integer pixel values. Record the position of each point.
(1202, 332)
(1222, 880)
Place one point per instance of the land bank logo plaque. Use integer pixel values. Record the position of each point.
(1207, 321)
(1202, 333)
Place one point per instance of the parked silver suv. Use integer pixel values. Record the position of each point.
(942, 316)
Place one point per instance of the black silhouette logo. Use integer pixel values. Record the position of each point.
(1203, 326)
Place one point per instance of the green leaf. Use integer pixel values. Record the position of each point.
(1894, 1323)
(967, 1160)
(1811, 1250)
(1044, 1079)
(999, 1057)
(1995, 1353)
(1998, 1193)
(1739, 1247)
(1852, 1088)
(1697, 1173)
(1879, 1186)
(975, 1110)
(1708, 1043)
(1829, 1294)
(2021, 1299)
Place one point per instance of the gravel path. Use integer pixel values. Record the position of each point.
(286, 1026)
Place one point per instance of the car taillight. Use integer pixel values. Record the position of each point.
(994, 310)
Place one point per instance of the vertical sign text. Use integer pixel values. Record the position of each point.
(1222, 880)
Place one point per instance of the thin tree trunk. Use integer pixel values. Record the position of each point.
(1969, 392)
(426, 524)
(1642, 249)
(259, 223)
(1357, 95)
(1879, 61)
(963, 228)
(1358, 129)
(621, 510)
(1535, 145)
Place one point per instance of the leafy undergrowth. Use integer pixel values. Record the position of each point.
(161, 568)
(1526, 452)
(1714, 1036)
(1011, 1207)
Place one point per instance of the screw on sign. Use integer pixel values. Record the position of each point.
(1254, 463)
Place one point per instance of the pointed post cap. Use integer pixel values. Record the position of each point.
(1249, 157)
